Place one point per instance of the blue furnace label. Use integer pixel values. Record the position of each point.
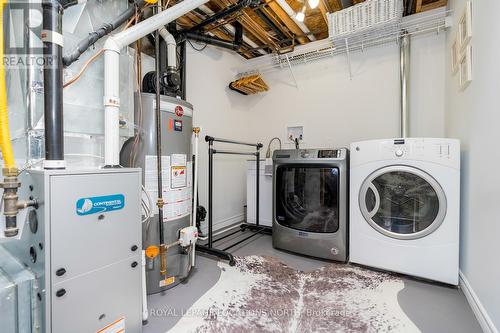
(93, 205)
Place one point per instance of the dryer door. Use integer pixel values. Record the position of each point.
(402, 202)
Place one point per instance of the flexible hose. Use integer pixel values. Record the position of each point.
(5, 143)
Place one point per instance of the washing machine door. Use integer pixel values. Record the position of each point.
(402, 202)
(307, 198)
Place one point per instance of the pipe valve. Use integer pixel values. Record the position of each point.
(11, 202)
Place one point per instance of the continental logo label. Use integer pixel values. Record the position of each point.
(94, 205)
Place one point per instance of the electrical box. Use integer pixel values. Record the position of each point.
(83, 243)
(295, 132)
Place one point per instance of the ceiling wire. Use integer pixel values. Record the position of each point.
(197, 49)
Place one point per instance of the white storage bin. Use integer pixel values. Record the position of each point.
(265, 195)
(364, 16)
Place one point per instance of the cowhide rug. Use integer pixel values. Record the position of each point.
(261, 294)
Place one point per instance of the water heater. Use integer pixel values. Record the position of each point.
(176, 160)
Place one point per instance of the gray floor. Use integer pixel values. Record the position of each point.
(433, 308)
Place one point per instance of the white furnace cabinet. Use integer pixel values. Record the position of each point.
(265, 195)
(83, 243)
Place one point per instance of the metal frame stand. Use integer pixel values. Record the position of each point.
(256, 228)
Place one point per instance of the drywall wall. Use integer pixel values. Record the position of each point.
(220, 113)
(471, 115)
(336, 110)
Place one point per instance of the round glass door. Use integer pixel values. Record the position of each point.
(402, 202)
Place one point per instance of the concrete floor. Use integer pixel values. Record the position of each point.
(433, 308)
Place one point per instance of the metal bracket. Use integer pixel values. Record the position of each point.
(348, 56)
(291, 71)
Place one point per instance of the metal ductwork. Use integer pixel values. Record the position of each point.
(405, 47)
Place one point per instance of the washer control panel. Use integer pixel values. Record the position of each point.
(310, 154)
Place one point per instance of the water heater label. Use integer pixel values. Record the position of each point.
(93, 205)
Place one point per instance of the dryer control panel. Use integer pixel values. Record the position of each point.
(437, 150)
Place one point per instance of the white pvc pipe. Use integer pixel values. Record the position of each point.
(145, 313)
(171, 47)
(290, 12)
(112, 48)
(111, 108)
(195, 192)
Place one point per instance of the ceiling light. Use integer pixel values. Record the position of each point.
(300, 16)
(313, 3)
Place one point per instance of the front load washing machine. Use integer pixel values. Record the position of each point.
(404, 206)
(310, 202)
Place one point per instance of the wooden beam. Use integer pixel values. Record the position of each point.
(336, 5)
(287, 21)
(430, 6)
(250, 25)
(272, 16)
(324, 10)
(418, 6)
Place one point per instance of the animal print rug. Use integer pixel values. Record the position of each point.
(261, 294)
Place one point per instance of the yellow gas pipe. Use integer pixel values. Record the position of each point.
(10, 184)
(5, 143)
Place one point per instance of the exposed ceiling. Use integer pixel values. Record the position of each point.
(268, 25)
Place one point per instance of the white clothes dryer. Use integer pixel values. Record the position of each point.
(405, 206)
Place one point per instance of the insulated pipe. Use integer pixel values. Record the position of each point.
(112, 48)
(104, 30)
(286, 7)
(53, 84)
(405, 84)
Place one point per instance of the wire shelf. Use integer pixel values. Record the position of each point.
(434, 21)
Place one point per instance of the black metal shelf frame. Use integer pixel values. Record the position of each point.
(254, 227)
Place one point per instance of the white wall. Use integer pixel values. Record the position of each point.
(472, 116)
(334, 109)
(221, 113)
